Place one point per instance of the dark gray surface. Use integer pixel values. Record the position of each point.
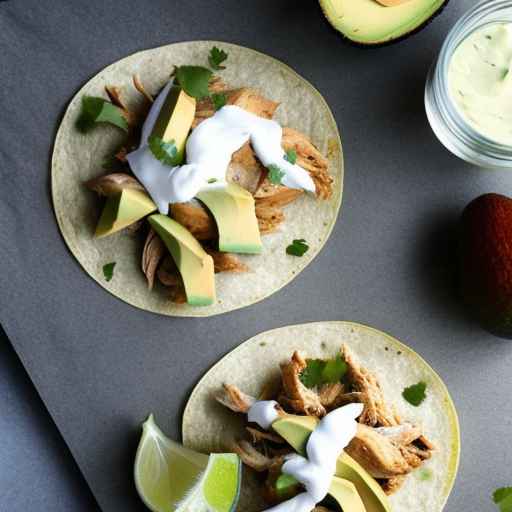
(37, 471)
(100, 365)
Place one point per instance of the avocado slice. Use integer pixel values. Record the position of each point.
(195, 265)
(175, 120)
(369, 23)
(297, 429)
(233, 210)
(345, 493)
(123, 209)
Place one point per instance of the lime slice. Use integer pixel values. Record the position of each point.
(170, 477)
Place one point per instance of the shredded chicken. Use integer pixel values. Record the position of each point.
(275, 195)
(400, 434)
(114, 93)
(376, 411)
(113, 183)
(196, 219)
(269, 218)
(377, 454)
(328, 393)
(138, 85)
(226, 262)
(232, 398)
(309, 158)
(152, 254)
(297, 396)
(258, 436)
(391, 485)
(251, 456)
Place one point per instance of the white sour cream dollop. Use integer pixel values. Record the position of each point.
(325, 444)
(209, 149)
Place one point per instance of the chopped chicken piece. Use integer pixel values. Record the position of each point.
(328, 393)
(196, 219)
(252, 457)
(245, 98)
(168, 273)
(377, 454)
(258, 435)
(113, 183)
(376, 412)
(275, 195)
(154, 251)
(297, 396)
(226, 262)
(232, 398)
(415, 456)
(245, 169)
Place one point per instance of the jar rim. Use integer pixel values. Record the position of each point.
(472, 20)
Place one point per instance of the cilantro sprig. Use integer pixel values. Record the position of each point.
(166, 152)
(275, 174)
(216, 58)
(298, 247)
(194, 80)
(415, 394)
(99, 110)
(320, 371)
(291, 156)
(108, 270)
(503, 498)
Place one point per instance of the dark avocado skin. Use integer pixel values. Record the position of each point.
(406, 35)
(485, 261)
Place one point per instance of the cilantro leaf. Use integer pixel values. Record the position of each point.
(108, 270)
(212, 180)
(99, 110)
(166, 152)
(275, 174)
(311, 376)
(194, 80)
(219, 100)
(319, 371)
(415, 394)
(291, 156)
(285, 482)
(297, 248)
(334, 370)
(216, 57)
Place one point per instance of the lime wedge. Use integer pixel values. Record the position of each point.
(170, 477)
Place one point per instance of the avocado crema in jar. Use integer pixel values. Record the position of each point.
(480, 81)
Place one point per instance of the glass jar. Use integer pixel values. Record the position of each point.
(445, 119)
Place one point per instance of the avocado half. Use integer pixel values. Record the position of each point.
(368, 23)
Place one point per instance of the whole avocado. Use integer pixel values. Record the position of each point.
(485, 261)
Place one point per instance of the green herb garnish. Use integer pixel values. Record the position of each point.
(108, 270)
(216, 58)
(503, 498)
(285, 482)
(319, 371)
(98, 110)
(166, 152)
(212, 180)
(219, 100)
(275, 174)
(297, 248)
(415, 394)
(194, 80)
(291, 156)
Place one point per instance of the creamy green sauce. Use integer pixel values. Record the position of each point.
(480, 81)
